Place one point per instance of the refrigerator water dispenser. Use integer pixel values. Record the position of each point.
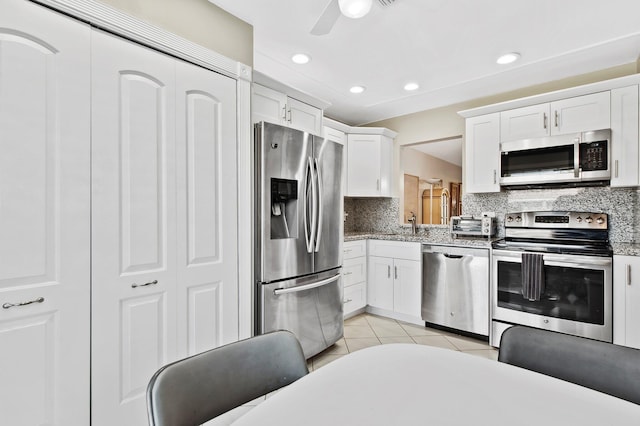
(284, 211)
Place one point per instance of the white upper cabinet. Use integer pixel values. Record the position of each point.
(582, 113)
(571, 115)
(482, 153)
(625, 152)
(276, 107)
(369, 165)
(45, 217)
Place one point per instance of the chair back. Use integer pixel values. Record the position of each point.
(194, 390)
(605, 367)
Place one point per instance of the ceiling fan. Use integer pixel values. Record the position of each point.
(349, 8)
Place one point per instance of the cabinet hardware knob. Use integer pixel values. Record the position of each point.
(544, 119)
(134, 285)
(347, 301)
(556, 118)
(11, 305)
(628, 275)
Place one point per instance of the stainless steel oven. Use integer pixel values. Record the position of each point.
(553, 271)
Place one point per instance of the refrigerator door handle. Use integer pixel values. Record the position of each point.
(280, 291)
(309, 197)
(319, 203)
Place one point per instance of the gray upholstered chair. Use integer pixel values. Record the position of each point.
(605, 367)
(194, 390)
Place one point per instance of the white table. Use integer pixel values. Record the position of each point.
(403, 384)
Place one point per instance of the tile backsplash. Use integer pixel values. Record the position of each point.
(621, 204)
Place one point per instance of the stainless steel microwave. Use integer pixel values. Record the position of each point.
(578, 158)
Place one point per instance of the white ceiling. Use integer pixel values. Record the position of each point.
(449, 47)
(449, 150)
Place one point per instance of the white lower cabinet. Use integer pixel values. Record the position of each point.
(354, 276)
(394, 284)
(626, 301)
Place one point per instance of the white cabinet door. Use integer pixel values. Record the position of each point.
(482, 153)
(523, 123)
(626, 300)
(380, 282)
(341, 138)
(45, 213)
(268, 105)
(407, 288)
(625, 152)
(206, 168)
(133, 226)
(276, 107)
(369, 165)
(304, 116)
(582, 113)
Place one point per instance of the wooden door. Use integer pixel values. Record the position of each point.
(456, 198)
(206, 167)
(133, 226)
(432, 206)
(44, 217)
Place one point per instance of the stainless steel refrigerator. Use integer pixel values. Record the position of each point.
(299, 229)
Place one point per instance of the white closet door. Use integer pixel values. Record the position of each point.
(44, 217)
(133, 225)
(206, 167)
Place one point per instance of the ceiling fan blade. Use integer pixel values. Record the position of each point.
(328, 19)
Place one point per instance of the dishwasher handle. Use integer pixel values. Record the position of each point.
(453, 256)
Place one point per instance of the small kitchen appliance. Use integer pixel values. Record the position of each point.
(472, 226)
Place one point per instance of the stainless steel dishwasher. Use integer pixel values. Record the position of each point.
(455, 287)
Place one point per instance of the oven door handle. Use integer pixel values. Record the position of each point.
(583, 262)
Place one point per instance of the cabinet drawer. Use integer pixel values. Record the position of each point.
(355, 297)
(394, 249)
(354, 271)
(354, 249)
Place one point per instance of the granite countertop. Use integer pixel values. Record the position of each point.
(438, 238)
(626, 249)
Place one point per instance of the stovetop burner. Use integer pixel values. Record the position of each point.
(578, 233)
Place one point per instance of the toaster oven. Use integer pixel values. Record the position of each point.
(471, 226)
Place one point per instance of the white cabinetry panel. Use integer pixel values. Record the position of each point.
(134, 225)
(207, 267)
(626, 300)
(523, 123)
(44, 206)
(582, 113)
(625, 143)
(482, 153)
(369, 160)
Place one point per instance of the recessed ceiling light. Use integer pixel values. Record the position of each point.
(357, 89)
(355, 8)
(508, 58)
(411, 86)
(300, 58)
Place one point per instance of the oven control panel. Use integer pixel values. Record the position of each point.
(554, 220)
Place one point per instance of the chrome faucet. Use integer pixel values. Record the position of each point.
(414, 224)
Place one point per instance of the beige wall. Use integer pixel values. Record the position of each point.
(199, 21)
(425, 166)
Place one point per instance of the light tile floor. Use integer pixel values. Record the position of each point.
(367, 330)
